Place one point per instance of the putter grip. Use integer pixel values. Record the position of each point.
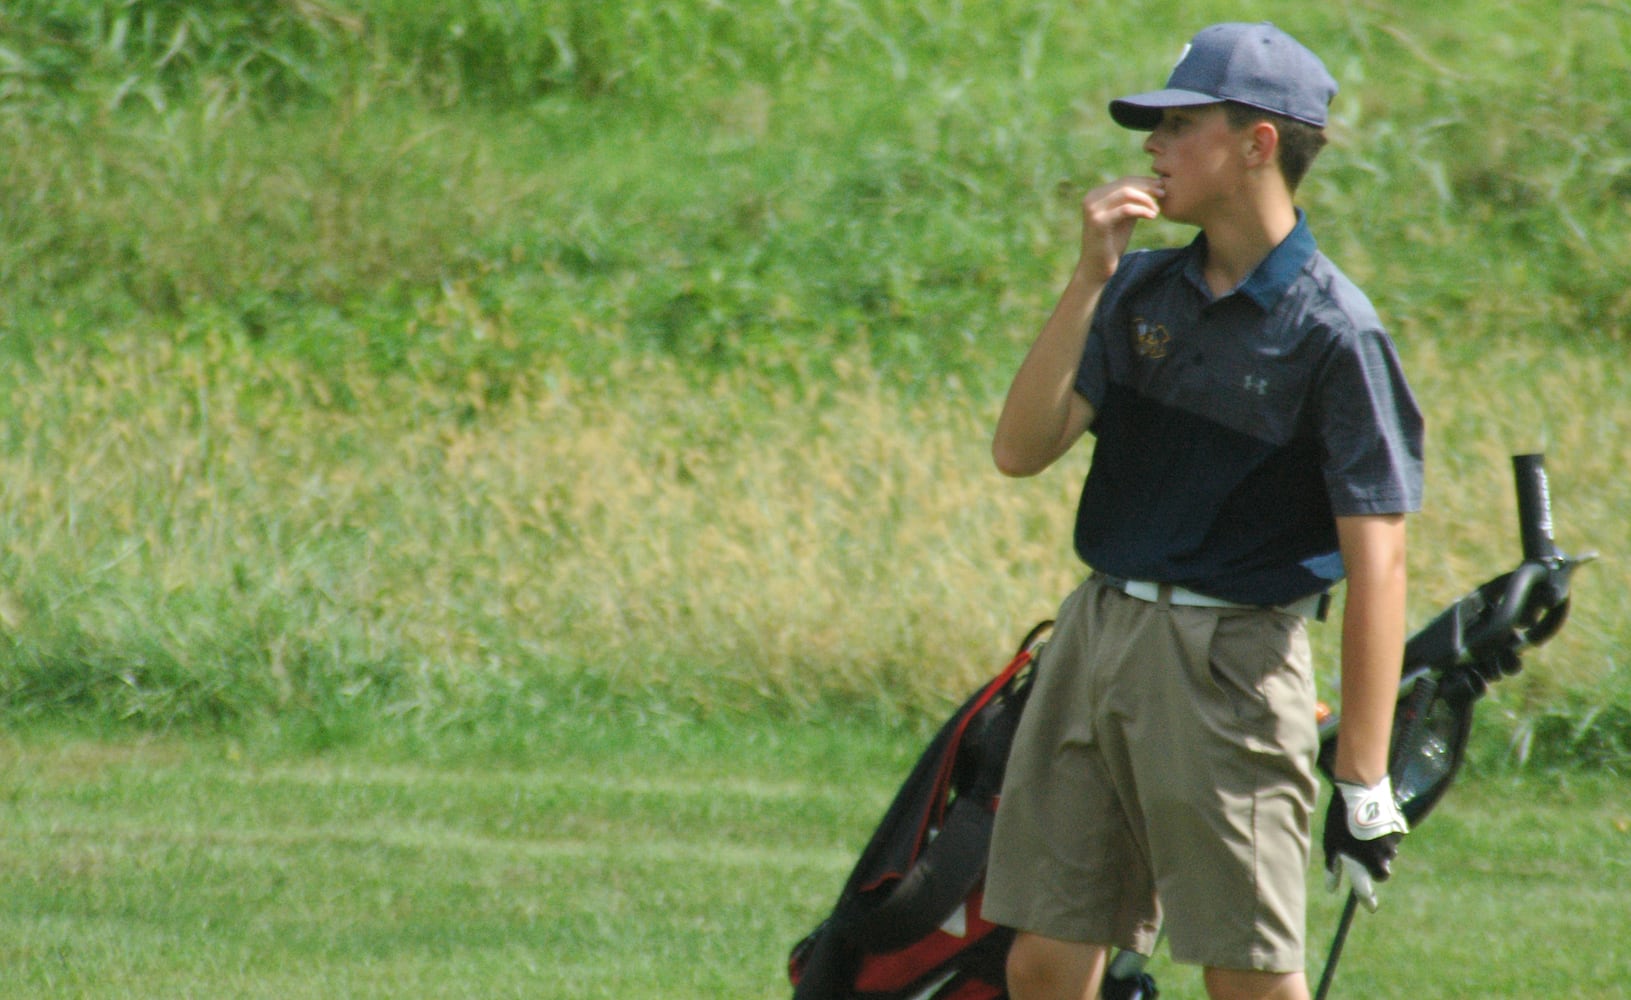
(1534, 507)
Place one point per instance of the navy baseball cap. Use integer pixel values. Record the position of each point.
(1253, 64)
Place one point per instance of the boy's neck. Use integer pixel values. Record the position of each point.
(1238, 242)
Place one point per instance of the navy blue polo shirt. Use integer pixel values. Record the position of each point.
(1231, 431)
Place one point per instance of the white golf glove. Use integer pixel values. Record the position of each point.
(1362, 831)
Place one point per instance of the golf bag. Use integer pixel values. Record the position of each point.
(907, 923)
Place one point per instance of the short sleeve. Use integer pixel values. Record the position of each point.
(1370, 428)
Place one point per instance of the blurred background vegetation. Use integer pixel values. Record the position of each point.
(452, 364)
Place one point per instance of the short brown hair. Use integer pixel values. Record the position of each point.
(1300, 142)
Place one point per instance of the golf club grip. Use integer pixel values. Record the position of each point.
(1534, 507)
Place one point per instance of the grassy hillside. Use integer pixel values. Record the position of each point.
(445, 360)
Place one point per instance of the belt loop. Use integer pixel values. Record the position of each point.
(1164, 597)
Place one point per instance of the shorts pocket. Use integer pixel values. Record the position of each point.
(1259, 668)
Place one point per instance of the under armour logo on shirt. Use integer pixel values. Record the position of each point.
(1257, 385)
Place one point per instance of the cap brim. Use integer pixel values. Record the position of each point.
(1143, 111)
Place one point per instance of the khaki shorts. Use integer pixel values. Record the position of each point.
(1163, 773)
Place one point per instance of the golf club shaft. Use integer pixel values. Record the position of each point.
(1348, 910)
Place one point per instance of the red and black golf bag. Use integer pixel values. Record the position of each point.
(907, 923)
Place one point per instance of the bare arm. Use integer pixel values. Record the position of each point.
(1043, 415)
(1373, 634)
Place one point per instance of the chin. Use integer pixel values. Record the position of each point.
(1176, 213)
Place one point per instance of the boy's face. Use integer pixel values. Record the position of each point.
(1200, 160)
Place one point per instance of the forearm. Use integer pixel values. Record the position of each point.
(1043, 415)
(1373, 634)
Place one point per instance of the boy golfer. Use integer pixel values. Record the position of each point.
(1255, 442)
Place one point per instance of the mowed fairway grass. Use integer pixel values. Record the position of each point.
(651, 858)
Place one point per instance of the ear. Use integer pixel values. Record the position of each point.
(1262, 144)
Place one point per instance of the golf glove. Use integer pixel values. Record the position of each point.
(1362, 832)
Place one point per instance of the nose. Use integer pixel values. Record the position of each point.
(1150, 145)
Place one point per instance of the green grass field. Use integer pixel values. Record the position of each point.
(493, 495)
(644, 859)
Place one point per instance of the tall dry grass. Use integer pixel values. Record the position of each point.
(205, 531)
(215, 532)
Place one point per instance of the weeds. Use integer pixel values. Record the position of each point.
(159, 53)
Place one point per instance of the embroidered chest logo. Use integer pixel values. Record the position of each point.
(1255, 384)
(1151, 340)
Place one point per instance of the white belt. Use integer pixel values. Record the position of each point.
(1311, 606)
